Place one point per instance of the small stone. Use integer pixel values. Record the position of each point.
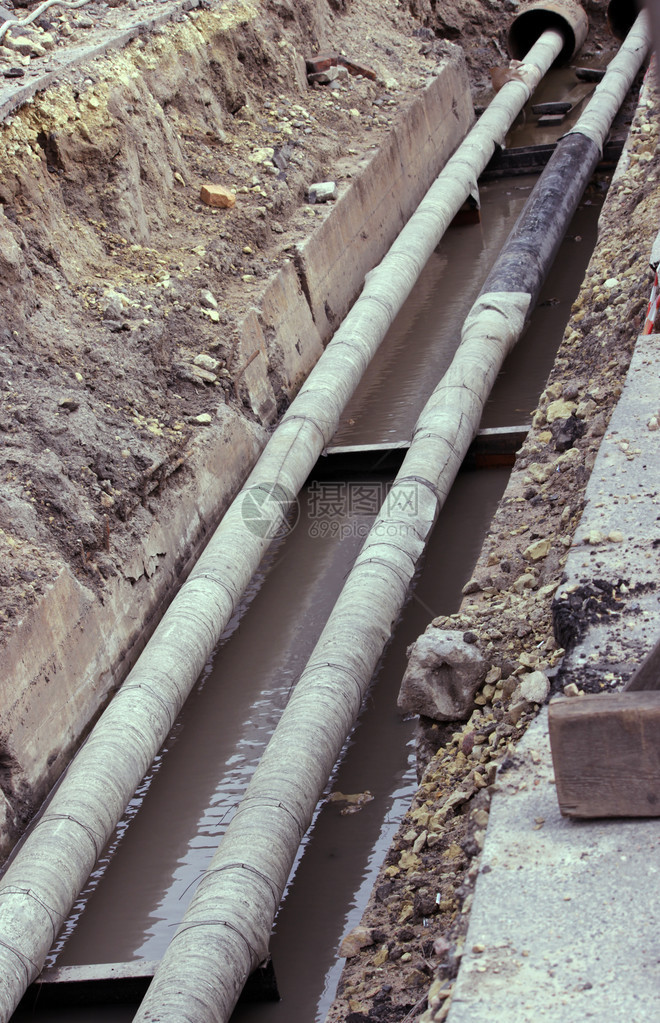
(204, 375)
(322, 191)
(420, 842)
(213, 315)
(24, 45)
(207, 299)
(68, 404)
(538, 550)
(206, 362)
(355, 941)
(559, 409)
(263, 155)
(539, 473)
(113, 304)
(216, 195)
(534, 687)
(516, 711)
(204, 419)
(524, 582)
(571, 689)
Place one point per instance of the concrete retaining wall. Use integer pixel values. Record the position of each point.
(76, 647)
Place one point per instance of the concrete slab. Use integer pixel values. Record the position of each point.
(620, 529)
(565, 922)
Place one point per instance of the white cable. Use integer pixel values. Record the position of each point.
(19, 23)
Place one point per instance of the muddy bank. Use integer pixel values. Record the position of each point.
(414, 927)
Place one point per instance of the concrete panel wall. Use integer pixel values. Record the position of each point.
(367, 218)
(66, 659)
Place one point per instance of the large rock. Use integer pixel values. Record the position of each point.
(443, 675)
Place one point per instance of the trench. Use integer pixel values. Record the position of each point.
(140, 888)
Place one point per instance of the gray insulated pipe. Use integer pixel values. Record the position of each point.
(49, 870)
(538, 15)
(226, 929)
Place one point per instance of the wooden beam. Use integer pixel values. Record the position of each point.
(556, 107)
(492, 447)
(532, 159)
(606, 754)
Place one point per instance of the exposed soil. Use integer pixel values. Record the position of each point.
(107, 253)
(106, 258)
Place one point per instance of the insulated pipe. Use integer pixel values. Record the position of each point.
(50, 869)
(226, 930)
(621, 16)
(538, 15)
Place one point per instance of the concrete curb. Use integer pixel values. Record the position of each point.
(565, 919)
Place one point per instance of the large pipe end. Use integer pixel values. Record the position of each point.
(621, 16)
(537, 16)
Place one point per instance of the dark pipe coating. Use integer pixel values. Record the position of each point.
(532, 245)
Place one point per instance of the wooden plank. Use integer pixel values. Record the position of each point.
(606, 754)
(532, 159)
(551, 120)
(647, 676)
(123, 983)
(557, 107)
(590, 74)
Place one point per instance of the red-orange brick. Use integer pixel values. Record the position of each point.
(216, 195)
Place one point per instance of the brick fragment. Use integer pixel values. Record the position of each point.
(320, 63)
(216, 195)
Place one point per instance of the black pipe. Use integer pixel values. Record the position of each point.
(532, 245)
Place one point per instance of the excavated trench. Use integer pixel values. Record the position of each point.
(140, 889)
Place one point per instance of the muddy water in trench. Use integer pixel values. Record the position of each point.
(423, 337)
(141, 888)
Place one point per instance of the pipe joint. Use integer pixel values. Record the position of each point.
(537, 16)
